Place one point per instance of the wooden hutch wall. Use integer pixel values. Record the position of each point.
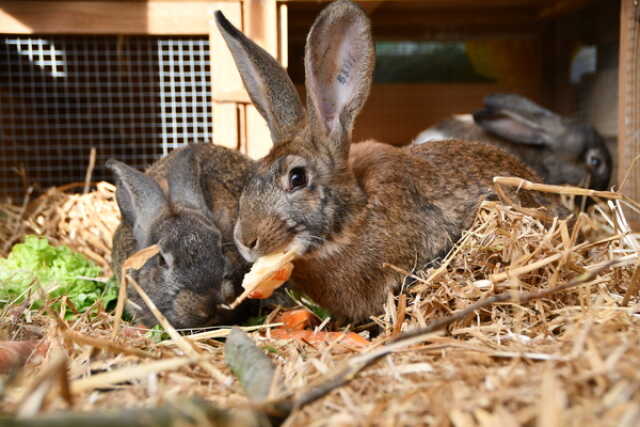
(395, 112)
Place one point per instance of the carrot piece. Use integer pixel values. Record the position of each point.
(350, 338)
(297, 319)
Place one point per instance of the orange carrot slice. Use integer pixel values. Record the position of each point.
(267, 274)
(350, 338)
(297, 319)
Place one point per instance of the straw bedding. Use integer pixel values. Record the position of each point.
(566, 358)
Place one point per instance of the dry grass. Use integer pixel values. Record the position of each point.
(569, 358)
(84, 222)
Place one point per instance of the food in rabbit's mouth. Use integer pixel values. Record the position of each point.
(267, 274)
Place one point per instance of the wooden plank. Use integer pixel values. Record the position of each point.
(399, 23)
(283, 29)
(445, 3)
(396, 113)
(105, 17)
(258, 142)
(260, 24)
(227, 84)
(242, 117)
(562, 7)
(226, 125)
(629, 103)
(225, 80)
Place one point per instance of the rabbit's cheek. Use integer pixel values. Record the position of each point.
(192, 309)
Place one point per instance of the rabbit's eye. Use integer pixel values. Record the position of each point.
(594, 161)
(297, 178)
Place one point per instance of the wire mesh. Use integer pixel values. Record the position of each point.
(132, 98)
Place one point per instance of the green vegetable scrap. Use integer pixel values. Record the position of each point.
(157, 334)
(57, 270)
(308, 303)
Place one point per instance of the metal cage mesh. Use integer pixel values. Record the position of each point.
(132, 98)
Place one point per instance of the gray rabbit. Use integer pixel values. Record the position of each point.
(186, 203)
(560, 150)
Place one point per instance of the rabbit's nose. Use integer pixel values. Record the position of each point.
(246, 243)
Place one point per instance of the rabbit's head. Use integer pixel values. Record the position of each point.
(186, 279)
(297, 193)
(576, 151)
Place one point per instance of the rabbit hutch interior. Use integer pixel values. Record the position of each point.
(82, 82)
(136, 79)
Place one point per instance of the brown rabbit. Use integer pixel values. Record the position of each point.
(348, 210)
(561, 150)
(186, 203)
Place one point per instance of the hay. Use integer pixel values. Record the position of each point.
(84, 222)
(564, 358)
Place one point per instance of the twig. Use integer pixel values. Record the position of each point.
(180, 341)
(128, 373)
(135, 261)
(249, 364)
(633, 289)
(511, 181)
(89, 174)
(511, 273)
(106, 345)
(224, 332)
(404, 272)
(559, 189)
(185, 413)
(19, 225)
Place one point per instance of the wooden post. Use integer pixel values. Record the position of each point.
(237, 123)
(227, 89)
(629, 103)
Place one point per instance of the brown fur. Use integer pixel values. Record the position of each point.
(363, 205)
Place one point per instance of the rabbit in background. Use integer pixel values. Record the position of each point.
(561, 150)
(348, 209)
(187, 204)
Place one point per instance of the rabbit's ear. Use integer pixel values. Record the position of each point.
(339, 62)
(139, 197)
(519, 120)
(268, 84)
(184, 184)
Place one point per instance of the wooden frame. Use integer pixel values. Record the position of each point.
(170, 17)
(629, 102)
(266, 21)
(236, 120)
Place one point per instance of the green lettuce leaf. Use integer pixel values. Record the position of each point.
(57, 270)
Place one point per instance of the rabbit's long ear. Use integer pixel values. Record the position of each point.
(519, 120)
(268, 84)
(139, 198)
(184, 183)
(339, 62)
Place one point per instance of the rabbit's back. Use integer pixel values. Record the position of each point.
(462, 127)
(419, 200)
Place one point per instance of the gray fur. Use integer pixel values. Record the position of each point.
(561, 150)
(187, 204)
